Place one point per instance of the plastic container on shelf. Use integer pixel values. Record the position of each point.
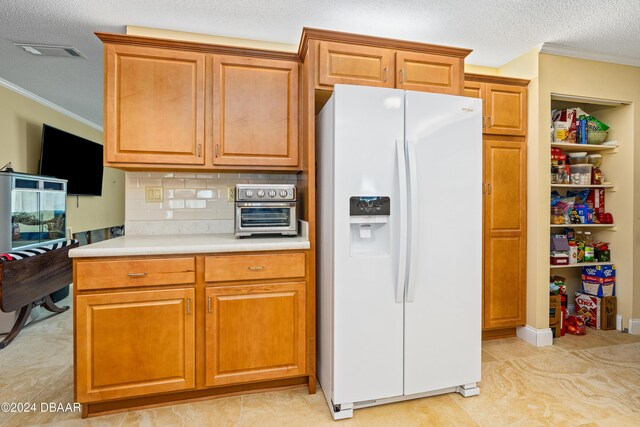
(580, 174)
(578, 158)
(595, 159)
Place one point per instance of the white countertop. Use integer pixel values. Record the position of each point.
(129, 245)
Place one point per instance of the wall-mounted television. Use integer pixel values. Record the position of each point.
(75, 159)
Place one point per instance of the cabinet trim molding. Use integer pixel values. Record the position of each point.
(195, 47)
(485, 78)
(358, 39)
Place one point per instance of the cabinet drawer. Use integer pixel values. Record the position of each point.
(253, 267)
(131, 273)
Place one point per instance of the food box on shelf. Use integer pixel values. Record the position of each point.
(589, 307)
(609, 311)
(599, 313)
(599, 273)
(555, 309)
(559, 259)
(599, 289)
(596, 199)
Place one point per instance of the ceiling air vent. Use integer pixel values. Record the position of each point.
(50, 50)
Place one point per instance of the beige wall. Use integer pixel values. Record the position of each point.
(585, 78)
(21, 122)
(479, 69)
(206, 38)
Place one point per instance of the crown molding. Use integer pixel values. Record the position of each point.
(196, 47)
(382, 42)
(486, 78)
(32, 96)
(556, 49)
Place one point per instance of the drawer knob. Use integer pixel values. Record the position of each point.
(256, 268)
(136, 275)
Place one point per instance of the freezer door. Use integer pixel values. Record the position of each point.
(443, 299)
(368, 320)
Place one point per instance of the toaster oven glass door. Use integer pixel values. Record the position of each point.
(263, 217)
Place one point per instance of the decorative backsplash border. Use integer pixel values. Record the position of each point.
(192, 203)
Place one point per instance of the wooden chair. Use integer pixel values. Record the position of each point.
(29, 282)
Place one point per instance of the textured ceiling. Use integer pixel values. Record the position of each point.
(496, 30)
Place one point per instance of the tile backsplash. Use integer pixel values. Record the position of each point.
(192, 203)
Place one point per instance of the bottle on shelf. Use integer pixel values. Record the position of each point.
(589, 252)
(579, 239)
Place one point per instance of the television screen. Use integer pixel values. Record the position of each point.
(75, 159)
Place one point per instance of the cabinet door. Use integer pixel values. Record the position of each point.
(341, 63)
(255, 111)
(506, 109)
(505, 207)
(255, 332)
(134, 343)
(429, 73)
(154, 105)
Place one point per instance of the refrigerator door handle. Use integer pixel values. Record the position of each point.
(402, 256)
(413, 242)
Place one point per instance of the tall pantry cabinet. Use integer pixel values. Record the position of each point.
(504, 201)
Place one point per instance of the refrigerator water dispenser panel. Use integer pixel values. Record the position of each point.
(369, 219)
(369, 205)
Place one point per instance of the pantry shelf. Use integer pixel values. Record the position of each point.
(610, 186)
(585, 147)
(581, 264)
(583, 225)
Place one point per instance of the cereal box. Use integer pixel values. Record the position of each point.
(589, 307)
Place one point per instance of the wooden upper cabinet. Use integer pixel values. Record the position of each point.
(429, 73)
(255, 111)
(506, 109)
(473, 90)
(255, 332)
(154, 105)
(504, 103)
(134, 343)
(342, 63)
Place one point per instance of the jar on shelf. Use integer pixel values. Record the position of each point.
(596, 173)
(557, 215)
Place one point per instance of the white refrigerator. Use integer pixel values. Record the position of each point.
(399, 246)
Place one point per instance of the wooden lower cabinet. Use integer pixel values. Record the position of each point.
(134, 343)
(505, 209)
(162, 329)
(255, 332)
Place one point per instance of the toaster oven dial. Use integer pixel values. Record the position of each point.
(283, 193)
(248, 193)
(260, 193)
(272, 193)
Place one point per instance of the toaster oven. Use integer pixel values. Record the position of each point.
(265, 209)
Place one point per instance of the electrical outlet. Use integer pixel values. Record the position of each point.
(153, 194)
(231, 193)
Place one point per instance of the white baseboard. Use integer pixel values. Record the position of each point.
(634, 326)
(536, 337)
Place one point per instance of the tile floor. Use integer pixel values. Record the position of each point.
(592, 380)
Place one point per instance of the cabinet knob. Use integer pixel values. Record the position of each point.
(209, 305)
(188, 305)
(256, 268)
(401, 75)
(386, 73)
